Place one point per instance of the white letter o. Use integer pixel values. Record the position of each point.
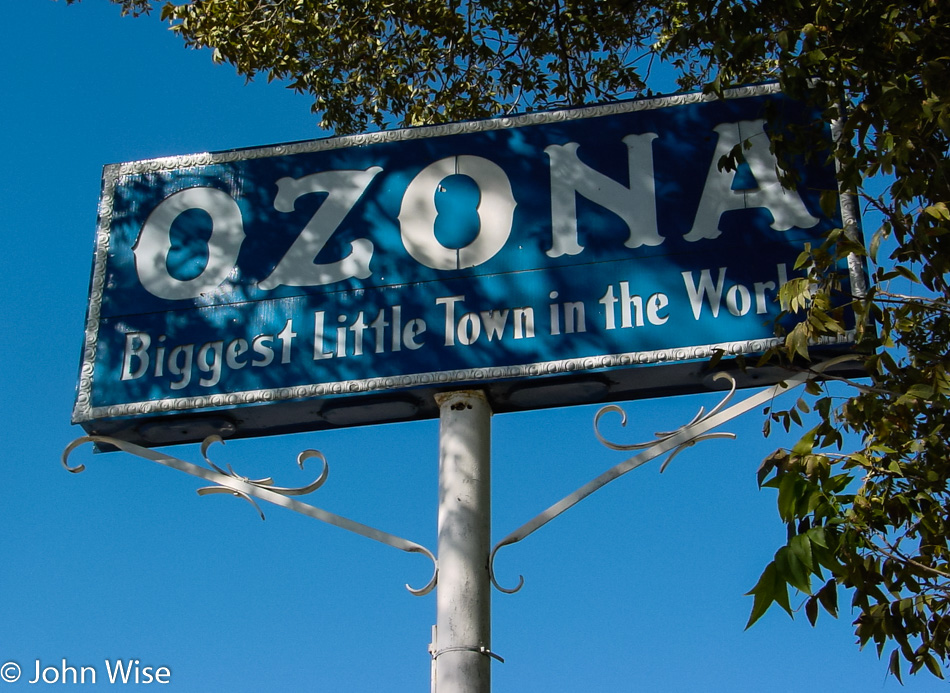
(154, 243)
(495, 212)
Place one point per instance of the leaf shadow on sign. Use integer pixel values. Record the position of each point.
(334, 320)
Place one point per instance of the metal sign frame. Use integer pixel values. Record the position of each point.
(356, 397)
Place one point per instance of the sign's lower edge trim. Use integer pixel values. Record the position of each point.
(84, 413)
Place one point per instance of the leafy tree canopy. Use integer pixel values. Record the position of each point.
(872, 522)
(375, 62)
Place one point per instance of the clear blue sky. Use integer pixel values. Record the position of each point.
(639, 588)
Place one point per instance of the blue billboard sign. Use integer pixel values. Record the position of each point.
(582, 255)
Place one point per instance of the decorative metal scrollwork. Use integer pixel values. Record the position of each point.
(659, 437)
(266, 483)
(228, 481)
(673, 442)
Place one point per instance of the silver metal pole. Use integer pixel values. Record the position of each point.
(462, 647)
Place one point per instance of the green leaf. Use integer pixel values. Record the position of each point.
(921, 391)
(811, 609)
(816, 535)
(797, 341)
(895, 665)
(907, 273)
(800, 546)
(776, 459)
(806, 443)
(938, 210)
(933, 665)
(767, 590)
(788, 497)
(875, 244)
(828, 596)
(790, 569)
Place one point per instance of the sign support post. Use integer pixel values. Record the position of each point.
(461, 648)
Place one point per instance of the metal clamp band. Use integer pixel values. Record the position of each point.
(480, 650)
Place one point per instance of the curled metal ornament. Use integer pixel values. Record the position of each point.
(660, 436)
(266, 483)
(228, 481)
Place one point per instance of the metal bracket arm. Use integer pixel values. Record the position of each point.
(227, 481)
(676, 441)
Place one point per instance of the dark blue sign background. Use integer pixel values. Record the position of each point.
(406, 318)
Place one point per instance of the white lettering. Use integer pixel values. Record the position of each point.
(449, 303)
(494, 321)
(468, 329)
(160, 357)
(155, 242)
(214, 367)
(319, 351)
(633, 201)
(705, 289)
(628, 305)
(655, 304)
(413, 329)
(298, 267)
(739, 299)
(261, 346)
(136, 346)
(635, 204)
(209, 358)
(760, 289)
(607, 301)
(524, 322)
(718, 197)
(340, 345)
(633, 309)
(286, 337)
(132, 672)
(378, 326)
(397, 327)
(575, 319)
(65, 674)
(495, 213)
(122, 670)
(235, 349)
(181, 367)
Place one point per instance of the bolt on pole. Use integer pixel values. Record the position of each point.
(462, 644)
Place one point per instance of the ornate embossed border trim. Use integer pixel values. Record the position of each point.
(430, 131)
(85, 412)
